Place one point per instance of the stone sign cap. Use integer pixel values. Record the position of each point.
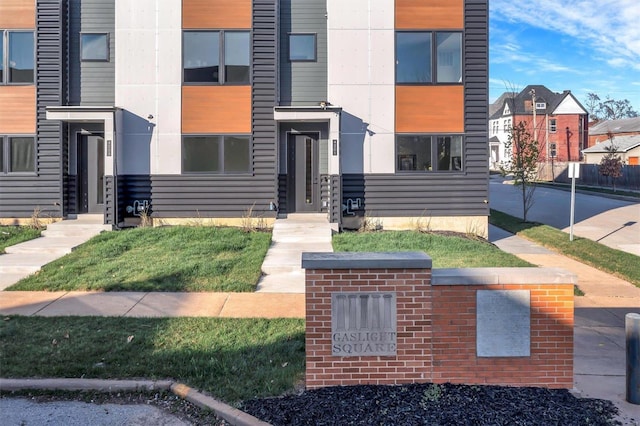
(367, 260)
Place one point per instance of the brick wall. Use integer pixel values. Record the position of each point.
(436, 327)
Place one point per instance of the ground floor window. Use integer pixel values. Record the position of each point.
(17, 154)
(216, 154)
(429, 153)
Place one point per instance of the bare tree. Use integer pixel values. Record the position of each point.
(524, 154)
(611, 163)
(609, 109)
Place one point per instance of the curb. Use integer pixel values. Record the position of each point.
(222, 410)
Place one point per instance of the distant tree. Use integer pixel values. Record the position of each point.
(609, 109)
(524, 153)
(611, 163)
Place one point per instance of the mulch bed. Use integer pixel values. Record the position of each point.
(429, 404)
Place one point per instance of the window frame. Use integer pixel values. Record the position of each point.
(221, 58)
(433, 66)
(108, 46)
(4, 60)
(315, 47)
(5, 147)
(221, 152)
(434, 137)
(553, 125)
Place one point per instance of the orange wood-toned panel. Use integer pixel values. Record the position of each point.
(17, 14)
(216, 109)
(17, 109)
(429, 14)
(216, 14)
(429, 109)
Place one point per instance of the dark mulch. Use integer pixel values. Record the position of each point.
(429, 404)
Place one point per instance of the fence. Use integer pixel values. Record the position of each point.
(589, 175)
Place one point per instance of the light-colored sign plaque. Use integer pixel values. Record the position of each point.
(503, 323)
(363, 324)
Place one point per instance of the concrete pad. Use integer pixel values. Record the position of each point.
(510, 243)
(26, 302)
(7, 280)
(179, 305)
(612, 388)
(282, 283)
(80, 303)
(264, 305)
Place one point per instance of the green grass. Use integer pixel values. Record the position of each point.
(616, 262)
(176, 258)
(445, 251)
(11, 235)
(232, 359)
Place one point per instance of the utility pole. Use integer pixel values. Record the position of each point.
(532, 92)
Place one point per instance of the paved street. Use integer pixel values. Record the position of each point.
(611, 222)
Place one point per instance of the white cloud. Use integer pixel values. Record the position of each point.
(609, 27)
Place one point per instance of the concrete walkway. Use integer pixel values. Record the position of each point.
(291, 237)
(60, 238)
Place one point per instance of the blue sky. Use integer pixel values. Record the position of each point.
(578, 45)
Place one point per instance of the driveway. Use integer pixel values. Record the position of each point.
(613, 223)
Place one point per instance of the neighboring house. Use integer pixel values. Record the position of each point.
(602, 130)
(210, 109)
(627, 147)
(556, 120)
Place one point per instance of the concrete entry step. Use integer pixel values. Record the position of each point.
(291, 237)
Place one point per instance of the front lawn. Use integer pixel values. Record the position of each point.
(232, 359)
(447, 251)
(12, 235)
(179, 258)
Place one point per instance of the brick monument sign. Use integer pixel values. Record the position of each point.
(388, 318)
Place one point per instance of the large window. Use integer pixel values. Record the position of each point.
(428, 153)
(424, 57)
(17, 154)
(302, 47)
(17, 62)
(94, 47)
(216, 154)
(216, 57)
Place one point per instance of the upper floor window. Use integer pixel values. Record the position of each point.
(216, 57)
(553, 125)
(427, 153)
(17, 154)
(302, 48)
(17, 58)
(422, 60)
(94, 47)
(541, 105)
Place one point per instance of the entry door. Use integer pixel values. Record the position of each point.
(304, 188)
(91, 171)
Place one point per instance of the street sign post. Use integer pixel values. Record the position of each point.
(574, 173)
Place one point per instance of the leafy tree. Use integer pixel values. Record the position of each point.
(611, 163)
(609, 109)
(524, 154)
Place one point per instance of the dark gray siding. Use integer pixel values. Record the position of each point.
(110, 185)
(91, 83)
(303, 83)
(443, 194)
(132, 188)
(232, 196)
(21, 195)
(335, 201)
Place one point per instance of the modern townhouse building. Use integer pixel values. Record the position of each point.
(211, 108)
(556, 120)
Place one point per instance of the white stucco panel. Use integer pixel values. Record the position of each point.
(360, 14)
(569, 105)
(348, 56)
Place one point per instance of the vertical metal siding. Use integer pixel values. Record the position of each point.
(303, 83)
(91, 83)
(21, 195)
(232, 196)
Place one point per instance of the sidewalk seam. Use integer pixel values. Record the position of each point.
(135, 304)
(50, 303)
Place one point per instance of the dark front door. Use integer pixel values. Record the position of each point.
(304, 178)
(91, 174)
